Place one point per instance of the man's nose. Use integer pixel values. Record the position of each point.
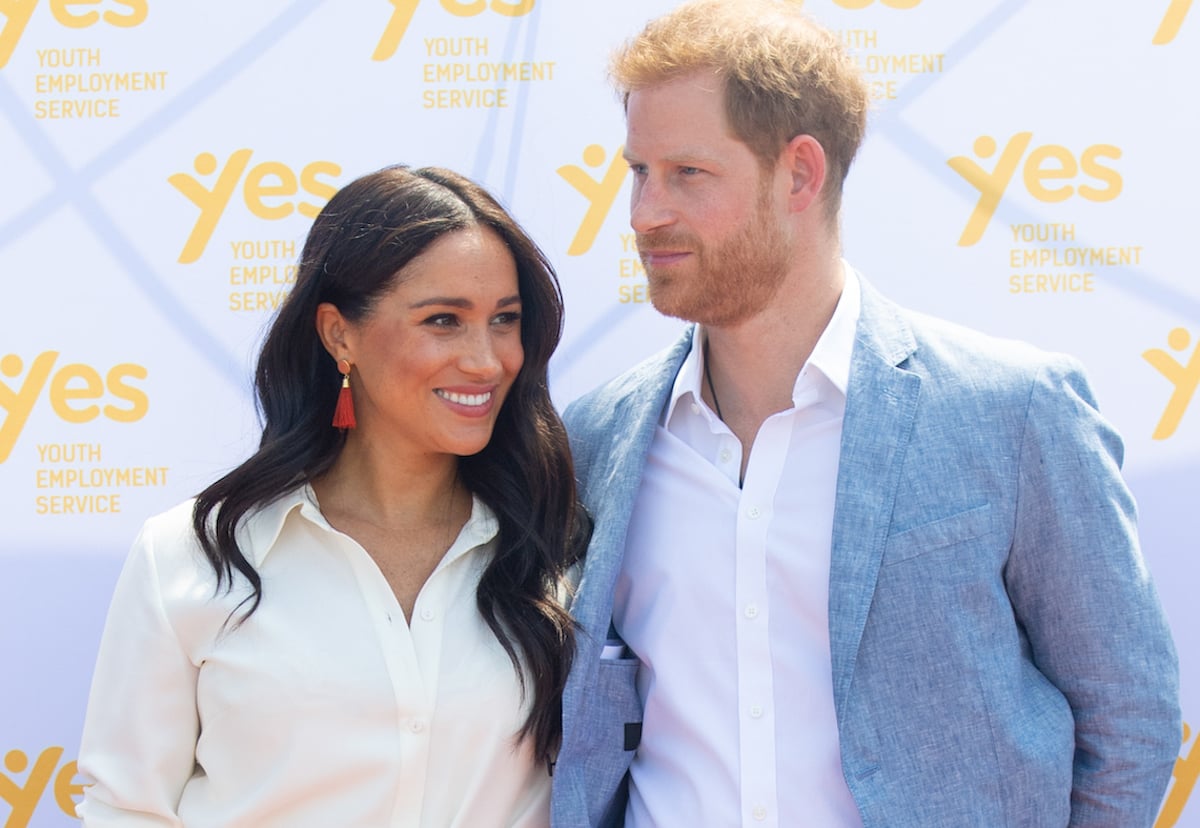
(649, 207)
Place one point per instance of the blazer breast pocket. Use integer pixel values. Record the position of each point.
(940, 534)
(617, 691)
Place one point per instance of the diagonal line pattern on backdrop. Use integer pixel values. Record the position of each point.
(487, 145)
(522, 100)
(73, 187)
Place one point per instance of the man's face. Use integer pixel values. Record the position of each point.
(710, 223)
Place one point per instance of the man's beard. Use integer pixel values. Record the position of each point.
(726, 283)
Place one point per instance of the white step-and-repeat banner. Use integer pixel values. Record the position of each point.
(1030, 170)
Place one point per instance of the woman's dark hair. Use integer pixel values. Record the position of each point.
(370, 230)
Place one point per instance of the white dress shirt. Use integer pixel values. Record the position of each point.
(325, 708)
(724, 596)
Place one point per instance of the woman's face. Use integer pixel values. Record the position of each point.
(437, 355)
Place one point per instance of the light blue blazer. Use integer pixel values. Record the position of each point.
(999, 654)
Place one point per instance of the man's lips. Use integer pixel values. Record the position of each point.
(659, 258)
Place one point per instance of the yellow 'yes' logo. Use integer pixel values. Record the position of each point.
(270, 179)
(402, 14)
(24, 798)
(17, 13)
(1046, 163)
(75, 393)
(600, 193)
(1172, 21)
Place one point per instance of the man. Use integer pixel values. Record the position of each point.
(851, 565)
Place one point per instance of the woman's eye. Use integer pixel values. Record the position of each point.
(509, 318)
(442, 320)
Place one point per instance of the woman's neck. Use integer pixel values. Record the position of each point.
(390, 491)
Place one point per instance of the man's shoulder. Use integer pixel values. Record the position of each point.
(612, 400)
(947, 347)
(887, 326)
(958, 363)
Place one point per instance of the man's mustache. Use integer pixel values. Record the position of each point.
(666, 240)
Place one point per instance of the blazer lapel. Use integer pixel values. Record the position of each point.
(614, 475)
(881, 402)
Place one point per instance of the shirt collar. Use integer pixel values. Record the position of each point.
(686, 390)
(258, 533)
(833, 350)
(830, 356)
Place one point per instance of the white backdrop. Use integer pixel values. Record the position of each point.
(1028, 171)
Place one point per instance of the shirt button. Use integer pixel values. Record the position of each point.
(760, 813)
(751, 610)
(726, 455)
(756, 711)
(427, 614)
(753, 513)
(695, 408)
(417, 725)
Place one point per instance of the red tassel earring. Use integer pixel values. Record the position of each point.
(343, 414)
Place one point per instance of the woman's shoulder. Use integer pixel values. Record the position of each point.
(177, 527)
(172, 527)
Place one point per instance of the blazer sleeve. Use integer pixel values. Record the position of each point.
(1081, 591)
(139, 737)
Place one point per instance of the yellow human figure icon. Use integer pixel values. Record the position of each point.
(1185, 378)
(600, 193)
(212, 202)
(991, 186)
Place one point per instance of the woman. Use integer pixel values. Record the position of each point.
(361, 625)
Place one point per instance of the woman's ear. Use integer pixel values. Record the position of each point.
(804, 159)
(334, 331)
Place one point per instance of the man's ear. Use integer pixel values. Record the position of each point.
(334, 331)
(804, 159)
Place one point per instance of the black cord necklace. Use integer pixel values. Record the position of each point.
(712, 389)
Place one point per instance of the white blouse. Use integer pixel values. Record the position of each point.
(325, 708)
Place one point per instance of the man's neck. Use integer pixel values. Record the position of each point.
(754, 364)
